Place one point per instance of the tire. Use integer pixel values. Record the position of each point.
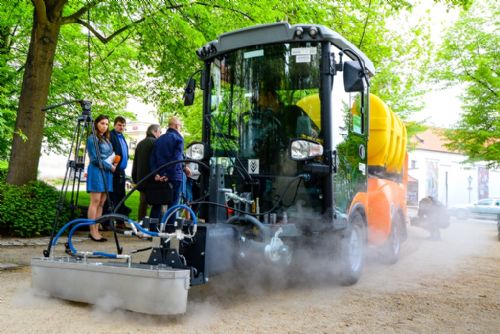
(392, 248)
(350, 252)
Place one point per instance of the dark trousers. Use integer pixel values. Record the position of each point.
(118, 193)
(156, 209)
(143, 206)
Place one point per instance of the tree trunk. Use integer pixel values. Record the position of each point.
(28, 133)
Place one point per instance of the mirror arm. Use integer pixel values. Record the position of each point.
(361, 63)
(316, 168)
(339, 67)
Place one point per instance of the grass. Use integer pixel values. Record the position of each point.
(132, 202)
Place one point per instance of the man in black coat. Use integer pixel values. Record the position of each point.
(120, 147)
(141, 166)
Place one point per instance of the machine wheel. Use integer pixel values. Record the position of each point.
(392, 247)
(350, 253)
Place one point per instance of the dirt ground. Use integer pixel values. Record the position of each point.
(448, 286)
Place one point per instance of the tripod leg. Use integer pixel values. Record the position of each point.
(75, 142)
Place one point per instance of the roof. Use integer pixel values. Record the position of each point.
(280, 32)
(432, 139)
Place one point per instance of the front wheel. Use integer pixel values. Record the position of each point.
(350, 253)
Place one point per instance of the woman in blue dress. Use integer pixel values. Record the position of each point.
(98, 181)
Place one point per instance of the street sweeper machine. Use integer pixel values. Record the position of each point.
(296, 155)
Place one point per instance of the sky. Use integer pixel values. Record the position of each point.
(442, 107)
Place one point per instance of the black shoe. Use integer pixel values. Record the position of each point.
(97, 240)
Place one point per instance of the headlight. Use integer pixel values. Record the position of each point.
(195, 151)
(301, 149)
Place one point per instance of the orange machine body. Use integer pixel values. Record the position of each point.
(388, 172)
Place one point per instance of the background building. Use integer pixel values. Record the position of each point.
(441, 173)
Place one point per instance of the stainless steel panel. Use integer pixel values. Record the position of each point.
(140, 288)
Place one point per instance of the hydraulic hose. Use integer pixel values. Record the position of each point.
(299, 177)
(252, 220)
(88, 222)
(176, 208)
(61, 231)
(152, 173)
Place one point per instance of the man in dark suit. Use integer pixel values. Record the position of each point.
(120, 147)
(141, 165)
(167, 148)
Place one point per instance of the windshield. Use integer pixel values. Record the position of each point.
(261, 98)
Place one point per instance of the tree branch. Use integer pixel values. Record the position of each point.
(484, 84)
(366, 24)
(103, 39)
(79, 13)
(230, 9)
(40, 11)
(59, 5)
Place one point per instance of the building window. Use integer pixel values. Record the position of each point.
(413, 164)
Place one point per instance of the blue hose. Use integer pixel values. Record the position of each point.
(61, 231)
(112, 256)
(72, 231)
(87, 222)
(92, 222)
(140, 228)
(177, 208)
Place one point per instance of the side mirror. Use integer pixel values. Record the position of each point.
(189, 92)
(195, 151)
(303, 149)
(353, 77)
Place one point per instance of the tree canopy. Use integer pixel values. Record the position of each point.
(469, 56)
(109, 50)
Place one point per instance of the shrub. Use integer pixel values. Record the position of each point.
(29, 210)
(4, 167)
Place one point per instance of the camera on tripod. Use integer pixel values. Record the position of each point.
(86, 115)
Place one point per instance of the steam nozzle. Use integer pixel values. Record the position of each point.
(305, 176)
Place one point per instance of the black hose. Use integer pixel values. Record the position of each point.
(144, 179)
(250, 219)
(275, 206)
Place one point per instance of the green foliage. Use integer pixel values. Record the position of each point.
(4, 165)
(14, 26)
(469, 56)
(28, 210)
(153, 52)
(132, 202)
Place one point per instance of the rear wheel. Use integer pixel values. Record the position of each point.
(392, 248)
(350, 254)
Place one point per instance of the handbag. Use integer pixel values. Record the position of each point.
(159, 193)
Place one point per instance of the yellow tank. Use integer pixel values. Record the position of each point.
(312, 107)
(387, 140)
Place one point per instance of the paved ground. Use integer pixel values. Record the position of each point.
(449, 286)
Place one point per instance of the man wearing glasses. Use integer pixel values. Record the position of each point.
(169, 147)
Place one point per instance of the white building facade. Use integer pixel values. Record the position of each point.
(442, 174)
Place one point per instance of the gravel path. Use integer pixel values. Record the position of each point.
(450, 286)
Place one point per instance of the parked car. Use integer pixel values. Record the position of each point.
(487, 208)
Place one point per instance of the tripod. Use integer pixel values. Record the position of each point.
(75, 167)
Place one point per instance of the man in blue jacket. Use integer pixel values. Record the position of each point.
(120, 147)
(169, 147)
